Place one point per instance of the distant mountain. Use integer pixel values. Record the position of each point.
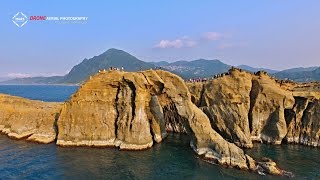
(252, 69)
(79, 73)
(34, 80)
(198, 68)
(300, 75)
(299, 69)
(160, 63)
(110, 58)
(186, 69)
(4, 79)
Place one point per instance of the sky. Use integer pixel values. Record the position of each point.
(275, 34)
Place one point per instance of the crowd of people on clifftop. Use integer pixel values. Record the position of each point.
(214, 76)
(116, 69)
(197, 80)
(122, 69)
(112, 69)
(284, 81)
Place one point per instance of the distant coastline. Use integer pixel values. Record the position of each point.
(39, 84)
(200, 68)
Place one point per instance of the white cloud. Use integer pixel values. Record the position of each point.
(212, 36)
(187, 42)
(26, 75)
(176, 43)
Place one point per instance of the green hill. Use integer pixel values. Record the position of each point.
(300, 75)
(110, 58)
(195, 69)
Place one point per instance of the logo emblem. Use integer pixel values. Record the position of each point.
(20, 19)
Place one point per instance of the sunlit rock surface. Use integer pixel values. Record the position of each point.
(28, 119)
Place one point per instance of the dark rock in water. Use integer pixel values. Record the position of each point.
(267, 165)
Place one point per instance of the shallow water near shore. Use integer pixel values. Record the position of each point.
(171, 159)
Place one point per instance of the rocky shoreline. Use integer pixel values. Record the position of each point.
(134, 110)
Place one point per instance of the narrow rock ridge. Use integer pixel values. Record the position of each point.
(245, 107)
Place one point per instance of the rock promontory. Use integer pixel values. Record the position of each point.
(244, 107)
(22, 118)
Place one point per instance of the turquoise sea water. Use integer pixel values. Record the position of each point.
(172, 159)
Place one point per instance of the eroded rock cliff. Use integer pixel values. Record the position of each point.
(23, 118)
(226, 101)
(134, 110)
(245, 107)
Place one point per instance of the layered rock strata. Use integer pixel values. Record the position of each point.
(134, 110)
(28, 119)
(245, 107)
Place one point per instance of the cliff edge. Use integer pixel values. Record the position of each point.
(22, 118)
(244, 107)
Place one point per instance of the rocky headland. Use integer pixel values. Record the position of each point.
(134, 110)
(32, 120)
(245, 107)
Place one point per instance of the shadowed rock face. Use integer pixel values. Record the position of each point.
(34, 120)
(304, 122)
(245, 107)
(267, 105)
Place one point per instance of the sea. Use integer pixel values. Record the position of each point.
(171, 159)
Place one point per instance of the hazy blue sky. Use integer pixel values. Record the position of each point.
(274, 34)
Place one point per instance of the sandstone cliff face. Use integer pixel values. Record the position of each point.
(267, 105)
(226, 102)
(133, 110)
(245, 107)
(34, 120)
(304, 122)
